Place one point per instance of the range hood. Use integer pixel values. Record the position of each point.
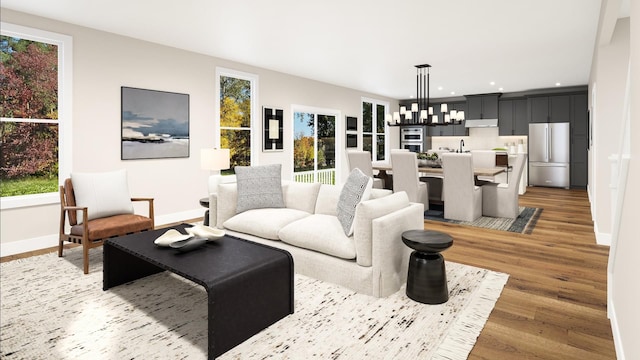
(481, 123)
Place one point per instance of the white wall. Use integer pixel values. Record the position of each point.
(608, 79)
(103, 62)
(626, 287)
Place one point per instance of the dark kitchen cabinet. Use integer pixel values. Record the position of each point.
(579, 138)
(482, 107)
(512, 117)
(555, 108)
(451, 129)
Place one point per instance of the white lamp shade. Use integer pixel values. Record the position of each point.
(414, 107)
(274, 129)
(435, 119)
(407, 115)
(387, 118)
(430, 110)
(447, 119)
(454, 114)
(403, 110)
(396, 116)
(215, 159)
(460, 115)
(423, 115)
(443, 108)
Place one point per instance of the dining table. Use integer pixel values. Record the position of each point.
(383, 167)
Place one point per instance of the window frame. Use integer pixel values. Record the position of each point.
(255, 110)
(65, 110)
(339, 139)
(374, 122)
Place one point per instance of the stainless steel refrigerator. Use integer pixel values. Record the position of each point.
(549, 154)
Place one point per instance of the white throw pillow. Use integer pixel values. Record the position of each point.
(259, 187)
(104, 194)
(301, 196)
(356, 189)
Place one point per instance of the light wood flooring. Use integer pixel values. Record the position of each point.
(554, 304)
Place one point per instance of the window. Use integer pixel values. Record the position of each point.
(35, 115)
(373, 128)
(237, 109)
(314, 145)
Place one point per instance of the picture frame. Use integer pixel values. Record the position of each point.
(351, 129)
(154, 124)
(273, 122)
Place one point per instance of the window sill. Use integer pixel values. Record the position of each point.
(14, 202)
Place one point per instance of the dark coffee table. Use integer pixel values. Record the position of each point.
(249, 285)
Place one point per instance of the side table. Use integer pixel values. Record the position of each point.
(205, 203)
(427, 276)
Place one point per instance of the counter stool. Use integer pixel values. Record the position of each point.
(427, 276)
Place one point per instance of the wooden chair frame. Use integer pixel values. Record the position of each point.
(84, 239)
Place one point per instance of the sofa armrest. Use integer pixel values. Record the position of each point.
(222, 205)
(390, 257)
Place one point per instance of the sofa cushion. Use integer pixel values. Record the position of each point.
(322, 233)
(264, 223)
(103, 193)
(300, 196)
(356, 189)
(327, 199)
(366, 212)
(259, 187)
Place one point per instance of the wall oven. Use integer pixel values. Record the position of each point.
(412, 138)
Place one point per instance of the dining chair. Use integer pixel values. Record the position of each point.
(404, 165)
(362, 161)
(484, 159)
(462, 198)
(501, 200)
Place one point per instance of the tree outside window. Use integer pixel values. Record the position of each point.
(235, 120)
(29, 117)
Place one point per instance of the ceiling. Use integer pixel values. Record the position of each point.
(369, 45)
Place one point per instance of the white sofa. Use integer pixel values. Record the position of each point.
(372, 261)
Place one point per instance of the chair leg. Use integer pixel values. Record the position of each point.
(85, 256)
(60, 247)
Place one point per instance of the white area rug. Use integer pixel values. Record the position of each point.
(50, 310)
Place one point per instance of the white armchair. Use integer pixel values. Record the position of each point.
(362, 161)
(462, 199)
(404, 165)
(501, 200)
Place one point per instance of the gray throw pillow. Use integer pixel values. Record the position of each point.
(259, 187)
(356, 189)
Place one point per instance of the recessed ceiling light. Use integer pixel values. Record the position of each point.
(453, 93)
(500, 89)
(439, 87)
(558, 84)
(492, 83)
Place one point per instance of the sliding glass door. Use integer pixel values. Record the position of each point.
(314, 146)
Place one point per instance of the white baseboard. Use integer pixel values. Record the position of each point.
(47, 241)
(617, 341)
(601, 237)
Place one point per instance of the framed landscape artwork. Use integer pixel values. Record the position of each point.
(155, 124)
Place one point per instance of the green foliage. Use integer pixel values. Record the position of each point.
(235, 112)
(29, 75)
(28, 185)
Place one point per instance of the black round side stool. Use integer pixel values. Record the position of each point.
(427, 276)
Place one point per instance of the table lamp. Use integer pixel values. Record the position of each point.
(215, 160)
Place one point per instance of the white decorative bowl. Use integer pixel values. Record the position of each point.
(205, 232)
(171, 236)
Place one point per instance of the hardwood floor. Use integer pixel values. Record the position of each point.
(554, 304)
